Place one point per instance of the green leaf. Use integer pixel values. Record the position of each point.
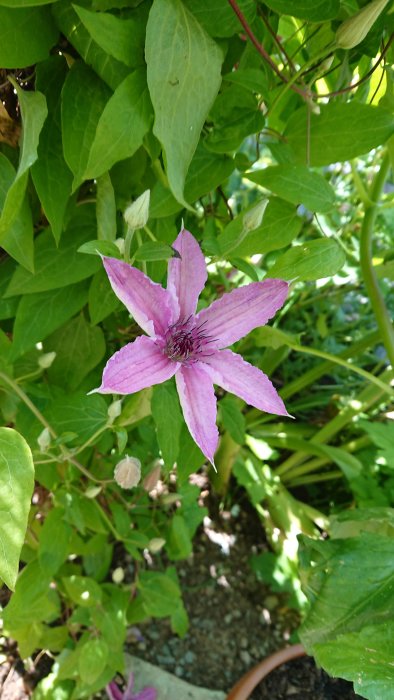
(119, 37)
(280, 225)
(349, 633)
(18, 239)
(40, 314)
(233, 419)
(218, 18)
(312, 10)
(105, 209)
(179, 544)
(32, 600)
(108, 68)
(310, 261)
(17, 481)
(252, 79)
(122, 126)
(51, 176)
(159, 592)
(100, 248)
(55, 536)
(155, 250)
(235, 114)
(340, 132)
(84, 97)
(92, 660)
(7, 266)
(34, 111)
(168, 420)
(79, 348)
(82, 590)
(27, 35)
(190, 457)
(296, 184)
(62, 266)
(102, 300)
(80, 414)
(184, 78)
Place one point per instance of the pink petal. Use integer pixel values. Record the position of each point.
(186, 275)
(136, 366)
(232, 373)
(148, 693)
(149, 304)
(237, 313)
(198, 403)
(113, 692)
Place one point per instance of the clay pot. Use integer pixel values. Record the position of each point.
(245, 686)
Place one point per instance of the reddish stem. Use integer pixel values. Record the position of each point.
(248, 682)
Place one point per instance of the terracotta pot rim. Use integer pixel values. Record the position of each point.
(251, 679)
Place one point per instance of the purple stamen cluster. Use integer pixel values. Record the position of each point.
(185, 342)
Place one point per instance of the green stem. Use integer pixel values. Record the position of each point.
(14, 386)
(127, 244)
(314, 478)
(359, 185)
(382, 315)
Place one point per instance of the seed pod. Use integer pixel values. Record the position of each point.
(128, 472)
(351, 32)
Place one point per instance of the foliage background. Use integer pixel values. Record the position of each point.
(214, 113)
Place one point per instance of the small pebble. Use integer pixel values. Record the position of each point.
(245, 657)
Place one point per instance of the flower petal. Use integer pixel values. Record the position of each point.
(136, 366)
(150, 305)
(237, 313)
(186, 275)
(232, 373)
(113, 692)
(198, 403)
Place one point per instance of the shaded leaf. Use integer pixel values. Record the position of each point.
(310, 261)
(27, 35)
(296, 184)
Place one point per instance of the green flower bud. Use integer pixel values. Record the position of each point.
(254, 217)
(46, 359)
(137, 213)
(351, 32)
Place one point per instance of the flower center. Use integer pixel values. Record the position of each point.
(184, 342)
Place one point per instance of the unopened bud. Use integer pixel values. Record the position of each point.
(351, 32)
(152, 478)
(118, 575)
(137, 213)
(254, 217)
(156, 544)
(120, 245)
(114, 410)
(128, 472)
(44, 440)
(46, 360)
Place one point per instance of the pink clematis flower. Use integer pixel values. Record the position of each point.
(188, 345)
(114, 692)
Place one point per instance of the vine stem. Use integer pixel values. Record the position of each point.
(14, 386)
(382, 315)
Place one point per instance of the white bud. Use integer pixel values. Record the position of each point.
(118, 575)
(46, 360)
(137, 213)
(120, 245)
(128, 472)
(114, 410)
(254, 217)
(156, 544)
(44, 440)
(352, 32)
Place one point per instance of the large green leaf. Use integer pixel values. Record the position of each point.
(296, 184)
(280, 225)
(40, 314)
(119, 37)
(340, 132)
(27, 35)
(59, 267)
(184, 66)
(79, 347)
(25, 3)
(16, 489)
(17, 240)
(34, 111)
(310, 261)
(51, 176)
(168, 419)
(84, 97)
(349, 583)
(79, 414)
(102, 299)
(312, 10)
(55, 536)
(107, 67)
(122, 126)
(31, 601)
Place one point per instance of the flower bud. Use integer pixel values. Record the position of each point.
(44, 440)
(351, 32)
(128, 472)
(114, 410)
(119, 242)
(156, 544)
(46, 360)
(152, 478)
(137, 213)
(118, 575)
(254, 217)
